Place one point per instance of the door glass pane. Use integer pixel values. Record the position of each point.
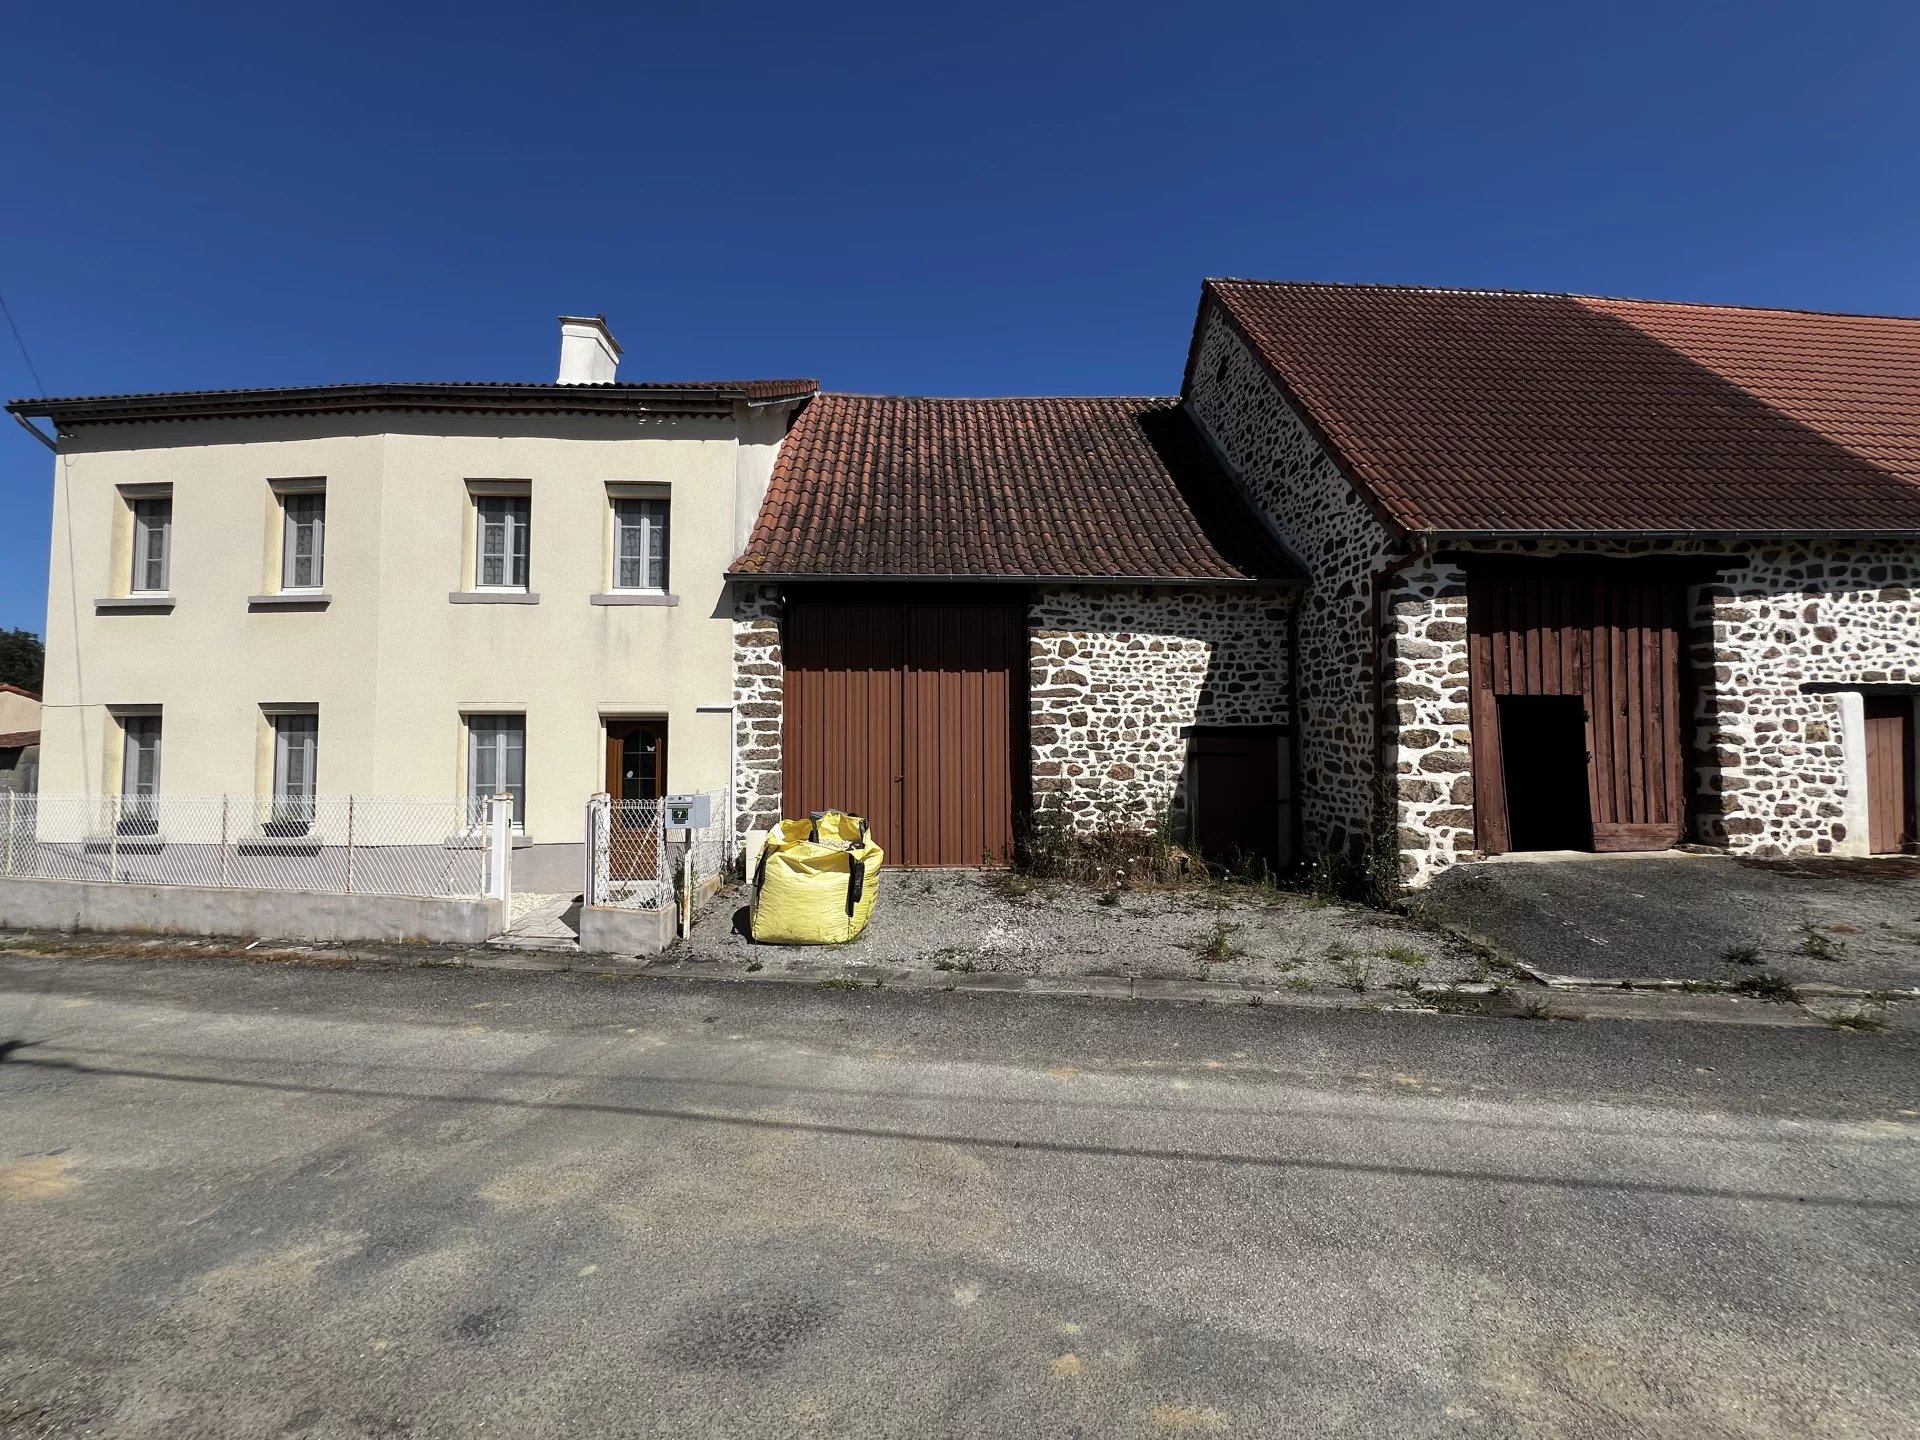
(640, 765)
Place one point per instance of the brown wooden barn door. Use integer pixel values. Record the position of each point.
(1546, 633)
(1890, 819)
(908, 714)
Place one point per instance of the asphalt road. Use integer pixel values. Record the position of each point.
(273, 1201)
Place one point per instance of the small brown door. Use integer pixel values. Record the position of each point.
(1233, 794)
(1890, 828)
(636, 771)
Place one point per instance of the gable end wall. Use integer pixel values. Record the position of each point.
(1291, 479)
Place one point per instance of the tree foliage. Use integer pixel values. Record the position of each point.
(23, 660)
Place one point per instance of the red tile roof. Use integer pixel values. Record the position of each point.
(427, 395)
(1041, 488)
(8, 688)
(19, 739)
(1463, 410)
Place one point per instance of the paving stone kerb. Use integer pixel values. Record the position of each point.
(1686, 917)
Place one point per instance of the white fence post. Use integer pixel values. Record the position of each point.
(599, 847)
(499, 846)
(349, 844)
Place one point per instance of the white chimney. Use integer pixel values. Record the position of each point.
(589, 355)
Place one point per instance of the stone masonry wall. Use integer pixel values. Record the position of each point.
(1117, 674)
(1771, 762)
(759, 683)
(1427, 719)
(1773, 771)
(1287, 475)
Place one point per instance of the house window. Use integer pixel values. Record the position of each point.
(501, 533)
(152, 543)
(296, 754)
(303, 540)
(640, 545)
(496, 761)
(139, 775)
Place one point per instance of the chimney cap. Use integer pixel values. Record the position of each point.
(599, 322)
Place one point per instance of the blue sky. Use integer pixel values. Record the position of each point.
(979, 199)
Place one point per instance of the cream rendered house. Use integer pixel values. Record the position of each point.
(406, 590)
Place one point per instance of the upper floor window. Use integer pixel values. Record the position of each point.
(303, 540)
(639, 544)
(152, 543)
(501, 535)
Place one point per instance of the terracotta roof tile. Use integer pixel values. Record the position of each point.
(1102, 488)
(19, 739)
(1500, 410)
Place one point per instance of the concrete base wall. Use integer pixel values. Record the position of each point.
(275, 914)
(605, 930)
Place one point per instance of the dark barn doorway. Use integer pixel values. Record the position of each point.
(1543, 753)
(1237, 814)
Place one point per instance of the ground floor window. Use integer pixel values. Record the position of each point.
(139, 774)
(296, 756)
(496, 761)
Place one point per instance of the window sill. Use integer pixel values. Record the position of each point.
(480, 841)
(290, 600)
(157, 600)
(633, 597)
(493, 597)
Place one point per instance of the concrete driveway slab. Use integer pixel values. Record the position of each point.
(1693, 917)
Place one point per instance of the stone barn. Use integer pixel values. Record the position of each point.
(953, 612)
(1583, 573)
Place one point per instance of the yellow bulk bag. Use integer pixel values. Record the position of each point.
(816, 881)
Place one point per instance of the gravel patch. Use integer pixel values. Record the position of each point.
(987, 921)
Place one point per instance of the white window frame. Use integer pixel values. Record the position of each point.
(141, 733)
(655, 514)
(489, 731)
(292, 521)
(145, 526)
(518, 517)
(295, 788)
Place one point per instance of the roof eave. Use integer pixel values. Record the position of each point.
(1431, 537)
(790, 577)
(429, 397)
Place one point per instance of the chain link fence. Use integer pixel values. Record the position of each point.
(638, 862)
(350, 844)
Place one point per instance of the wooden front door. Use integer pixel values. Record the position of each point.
(907, 714)
(636, 772)
(1233, 796)
(1890, 824)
